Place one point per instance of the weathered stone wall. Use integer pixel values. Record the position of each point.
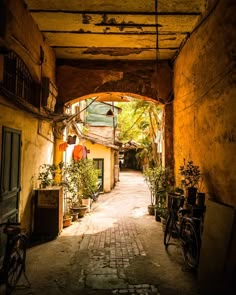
(22, 35)
(79, 78)
(205, 104)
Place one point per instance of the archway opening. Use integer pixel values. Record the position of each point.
(136, 125)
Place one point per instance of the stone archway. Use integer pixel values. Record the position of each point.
(78, 78)
(141, 79)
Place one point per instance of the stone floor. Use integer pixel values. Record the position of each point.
(117, 248)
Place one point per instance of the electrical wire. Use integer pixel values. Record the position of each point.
(207, 91)
(75, 115)
(195, 29)
(222, 74)
(23, 105)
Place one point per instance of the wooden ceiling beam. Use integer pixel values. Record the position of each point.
(114, 12)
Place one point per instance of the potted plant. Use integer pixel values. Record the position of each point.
(191, 177)
(164, 215)
(160, 203)
(48, 173)
(67, 219)
(88, 181)
(158, 181)
(79, 180)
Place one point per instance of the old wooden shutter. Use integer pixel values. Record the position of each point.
(10, 174)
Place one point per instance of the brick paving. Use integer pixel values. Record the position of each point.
(117, 248)
(110, 252)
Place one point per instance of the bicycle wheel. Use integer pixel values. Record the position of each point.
(190, 245)
(168, 230)
(15, 263)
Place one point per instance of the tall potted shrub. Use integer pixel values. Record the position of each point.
(158, 181)
(80, 181)
(88, 181)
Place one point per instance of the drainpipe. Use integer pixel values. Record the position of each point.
(59, 128)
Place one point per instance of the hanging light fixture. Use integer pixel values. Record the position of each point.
(110, 113)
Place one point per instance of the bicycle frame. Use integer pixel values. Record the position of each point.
(187, 231)
(14, 257)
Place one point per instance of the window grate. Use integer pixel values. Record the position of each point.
(18, 80)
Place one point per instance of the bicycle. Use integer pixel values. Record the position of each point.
(13, 260)
(184, 228)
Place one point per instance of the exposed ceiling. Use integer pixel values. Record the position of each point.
(116, 30)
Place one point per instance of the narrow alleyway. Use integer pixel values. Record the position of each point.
(115, 249)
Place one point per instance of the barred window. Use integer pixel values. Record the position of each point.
(18, 80)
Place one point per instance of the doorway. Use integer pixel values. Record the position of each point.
(99, 164)
(10, 174)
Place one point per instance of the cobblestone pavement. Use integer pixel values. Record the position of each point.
(117, 248)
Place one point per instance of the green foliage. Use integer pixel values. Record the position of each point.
(139, 121)
(134, 120)
(47, 175)
(80, 179)
(158, 181)
(191, 174)
(145, 151)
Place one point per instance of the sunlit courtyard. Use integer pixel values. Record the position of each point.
(117, 248)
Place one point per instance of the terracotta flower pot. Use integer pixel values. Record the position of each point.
(87, 202)
(163, 222)
(81, 210)
(67, 221)
(151, 209)
(157, 214)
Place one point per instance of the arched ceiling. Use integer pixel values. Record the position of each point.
(114, 96)
(116, 30)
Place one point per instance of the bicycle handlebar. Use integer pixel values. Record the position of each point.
(9, 224)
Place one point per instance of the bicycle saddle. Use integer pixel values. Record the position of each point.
(12, 230)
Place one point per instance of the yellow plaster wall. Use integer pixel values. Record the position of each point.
(23, 37)
(102, 152)
(35, 151)
(205, 104)
(95, 151)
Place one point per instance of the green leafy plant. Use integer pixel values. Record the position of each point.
(158, 181)
(164, 212)
(191, 174)
(80, 180)
(67, 214)
(47, 175)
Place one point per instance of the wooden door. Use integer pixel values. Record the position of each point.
(10, 174)
(99, 164)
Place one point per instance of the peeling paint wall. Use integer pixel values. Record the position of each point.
(23, 37)
(205, 104)
(77, 78)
